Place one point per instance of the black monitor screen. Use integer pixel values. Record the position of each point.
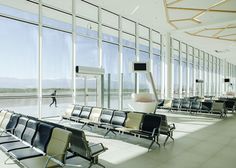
(227, 80)
(140, 66)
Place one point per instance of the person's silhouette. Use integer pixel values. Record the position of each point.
(54, 100)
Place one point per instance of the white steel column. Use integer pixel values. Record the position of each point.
(120, 67)
(40, 60)
(188, 73)
(167, 61)
(137, 55)
(74, 42)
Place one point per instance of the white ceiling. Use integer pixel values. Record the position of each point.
(154, 14)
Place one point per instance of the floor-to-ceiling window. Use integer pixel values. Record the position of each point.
(129, 57)
(18, 58)
(176, 69)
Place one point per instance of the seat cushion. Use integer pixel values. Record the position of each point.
(39, 162)
(13, 146)
(8, 139)
(25, 153)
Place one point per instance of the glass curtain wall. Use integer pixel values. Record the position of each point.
(197, 65)
(184, 69)
(128, 57)
(19, 57)
(175, 48)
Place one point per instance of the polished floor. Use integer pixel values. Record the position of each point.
(200, 142)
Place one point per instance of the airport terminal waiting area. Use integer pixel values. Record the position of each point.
(30, 142)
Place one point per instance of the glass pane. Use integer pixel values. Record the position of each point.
(110, 64)
(184, 79)
(176, 78)
(57, 19)
(128, 40)
(157, 72)
(19, 52)
(87, 28)
(87, 52)
(143, 82)
(56, 62)
(14, 8)
(156, 37)
(156, 49)
(109, 34)
(128, 76)
(144, 45)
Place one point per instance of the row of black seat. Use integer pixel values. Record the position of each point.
(140, 124)
(34, 143)
(208, 106)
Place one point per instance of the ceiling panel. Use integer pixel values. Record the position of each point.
(196, 3)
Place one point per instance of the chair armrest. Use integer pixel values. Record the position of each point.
(97, 149)
(53, 157)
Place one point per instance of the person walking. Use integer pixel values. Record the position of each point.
(54, 100)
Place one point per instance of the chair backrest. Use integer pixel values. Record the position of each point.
(151, 122)
(133, 120)
(118, 118)
(229, 104)
(78, 143)
(185, 103)
(59, 143)
(30, 131)
(20, 127)
(218, 106)
(175, 103)
(195, 105)
(85, 112)
(206, 106)
(164, 122)
(77, 110)
(2, 115)
(13, 122)
(95, 114)
(6, 120)
(106, 115)
(167, 103)
(43, 135)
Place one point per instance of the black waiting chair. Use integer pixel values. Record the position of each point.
(230, 105)
(40, 142)
(11, 125)
(150, 128)
(105, 117)
(185, 105)
(165, 128)
(195, 106)
(76, 112)
(18, 132)
(175, 105)
(117, 121)
(27, 138)
(206, 107)
(79, 146)
(85, 113)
